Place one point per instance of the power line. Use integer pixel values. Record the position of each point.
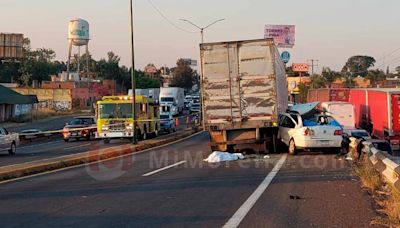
(313, 65)
(387, 55)
(394, 61)
(167, 19)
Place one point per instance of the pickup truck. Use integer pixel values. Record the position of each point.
(8, 141)
(167, 123)
(304, 127)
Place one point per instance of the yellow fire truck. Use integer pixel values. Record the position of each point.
(115, 119)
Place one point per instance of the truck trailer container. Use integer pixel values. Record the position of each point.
(328, 94)
(378, 111)
(244, 89)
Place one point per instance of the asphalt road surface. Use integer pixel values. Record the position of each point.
(42, 148)
(173, 187)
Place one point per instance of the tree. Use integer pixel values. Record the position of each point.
(303, 92)
(289, 71)
(375, 76)
(349, 82)
(183, 75)
(358, 65)
(37, 65)
(330, 76)
(109, 69)
(317, 81)
(397, 70)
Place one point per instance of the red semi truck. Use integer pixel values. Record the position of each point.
(378, 111)
(328, 94)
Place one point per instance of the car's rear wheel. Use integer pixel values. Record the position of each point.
(292, 147)
(13, 149)
(66, 140)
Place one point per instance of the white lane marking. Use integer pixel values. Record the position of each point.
(246, 207)
(74, 147)
(101, 161)
(162, 169)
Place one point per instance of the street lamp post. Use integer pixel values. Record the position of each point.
(202, 28)
(201, 68)
(133, 79)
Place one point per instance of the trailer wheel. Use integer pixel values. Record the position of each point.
(292, 147)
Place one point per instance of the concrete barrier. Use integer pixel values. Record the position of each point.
(40, 166)
(389, 169)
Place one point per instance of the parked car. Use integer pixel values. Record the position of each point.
(187, 104)
(167, 123)
(378, 144)
(8, 141)
(80, 127)
(355, 133)
(304, 127)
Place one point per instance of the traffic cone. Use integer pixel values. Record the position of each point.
(187, 121)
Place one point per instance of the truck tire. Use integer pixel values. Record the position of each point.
(106, 141)
(292, 147)
(275, 144)
(12, 149)
(144, 135)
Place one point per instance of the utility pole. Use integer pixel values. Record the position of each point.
(313, 64)
(133, 78)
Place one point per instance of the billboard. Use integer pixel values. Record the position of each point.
(11, 46)
(300, 67)
(190, 62)
(283, 35)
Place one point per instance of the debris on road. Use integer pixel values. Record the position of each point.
(294, 197)
(218, 156)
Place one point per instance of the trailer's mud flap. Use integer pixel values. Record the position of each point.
(218, 141)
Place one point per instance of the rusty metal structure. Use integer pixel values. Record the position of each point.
(244, 88)
(11, 46)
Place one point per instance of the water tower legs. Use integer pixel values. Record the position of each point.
(69, 59)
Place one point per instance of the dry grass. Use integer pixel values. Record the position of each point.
(386, 196)
(392, 207)
(370, 178)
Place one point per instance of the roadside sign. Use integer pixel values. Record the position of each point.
(285, 56)
(283, 35)
(300, 67)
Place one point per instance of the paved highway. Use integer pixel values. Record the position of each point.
(172, 186)
(55, 147)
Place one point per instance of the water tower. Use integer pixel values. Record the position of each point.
(78, 35)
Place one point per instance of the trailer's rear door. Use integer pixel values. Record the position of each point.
(238, 81)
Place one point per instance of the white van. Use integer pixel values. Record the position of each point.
(343, 112)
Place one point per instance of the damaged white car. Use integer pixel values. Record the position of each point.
(305, 127)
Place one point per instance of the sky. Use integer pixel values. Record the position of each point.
(326, 30)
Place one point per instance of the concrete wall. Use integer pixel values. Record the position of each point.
(57, 99)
